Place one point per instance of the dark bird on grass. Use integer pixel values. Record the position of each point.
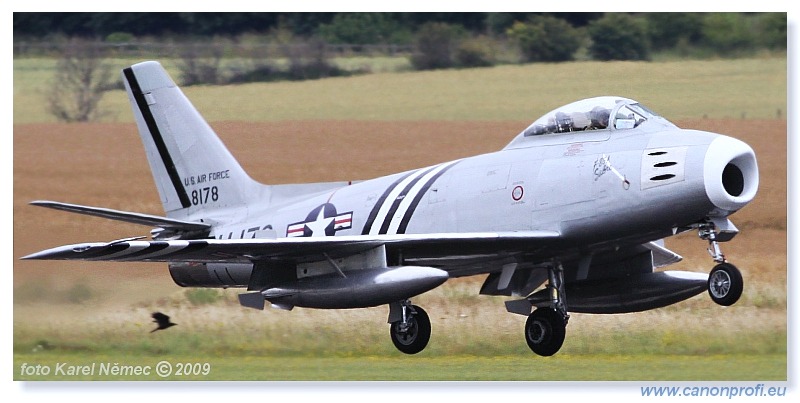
(162, 321)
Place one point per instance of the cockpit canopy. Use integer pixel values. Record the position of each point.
(598, 113)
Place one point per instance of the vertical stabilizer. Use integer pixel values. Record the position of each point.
(193, 170)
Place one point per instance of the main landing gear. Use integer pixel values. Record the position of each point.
(410, 327)
(725, 283)
(546, 327)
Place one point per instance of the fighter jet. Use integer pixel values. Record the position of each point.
(570, 216)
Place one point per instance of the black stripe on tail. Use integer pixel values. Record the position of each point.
(157, 139)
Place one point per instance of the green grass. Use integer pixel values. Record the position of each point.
(473, 339)
(426, 367)
(750, 88)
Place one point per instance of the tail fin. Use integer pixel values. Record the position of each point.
(193, 170)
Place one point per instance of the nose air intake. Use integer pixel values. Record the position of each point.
(733, 180)
(730, 173)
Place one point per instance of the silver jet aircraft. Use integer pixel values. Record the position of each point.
(569, 217)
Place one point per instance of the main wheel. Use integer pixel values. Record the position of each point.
(545, 331)
(725, 284)
(416, 335)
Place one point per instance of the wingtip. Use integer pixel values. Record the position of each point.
(40, 203)
(33, 256)
(61, 252)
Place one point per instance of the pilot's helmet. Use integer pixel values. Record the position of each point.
(599, 116)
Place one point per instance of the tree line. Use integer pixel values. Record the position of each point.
(361, 27)
(465, 38)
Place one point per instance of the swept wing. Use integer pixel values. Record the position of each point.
(417, 246)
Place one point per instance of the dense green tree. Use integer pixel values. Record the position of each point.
(727, 33)
(473, 22)
(436, 43)
(364, 28)
(475, 52)
(666, 30)
(545, 38)
(578, 20)
(619, 36)
(499, 23)
(771, 29)
(225, 24)
(101, 25)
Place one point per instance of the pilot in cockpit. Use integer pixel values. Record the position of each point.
(599, 117)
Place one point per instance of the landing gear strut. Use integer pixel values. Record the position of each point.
(412, 332)
(546, 327)
(725, 283)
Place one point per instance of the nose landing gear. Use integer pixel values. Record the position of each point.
(725, 283)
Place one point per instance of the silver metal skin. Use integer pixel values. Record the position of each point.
(569, 216)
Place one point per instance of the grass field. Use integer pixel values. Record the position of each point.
(365, 127)
(753, 88)
(563, 367)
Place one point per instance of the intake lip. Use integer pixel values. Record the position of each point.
(730, 174)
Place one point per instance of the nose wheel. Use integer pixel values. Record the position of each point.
(725, 284)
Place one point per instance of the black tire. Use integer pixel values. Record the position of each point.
(418, 334)
(725, 284)
(545, 331)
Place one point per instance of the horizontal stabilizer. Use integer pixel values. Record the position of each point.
(126, 216)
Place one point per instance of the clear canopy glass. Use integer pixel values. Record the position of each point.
(600, 113)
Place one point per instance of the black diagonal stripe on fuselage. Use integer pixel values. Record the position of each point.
(377, 208)
(399, 199)
(152, 126)
(413, 206)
